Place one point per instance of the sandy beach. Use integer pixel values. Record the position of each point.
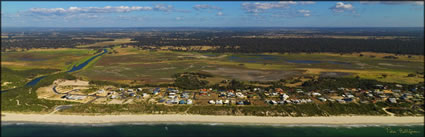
(176, 118)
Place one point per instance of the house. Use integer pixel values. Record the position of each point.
(161, 101)
(246, 102)
(222, 94)
(139, 89)
(316, 94)
(130, 90)
(189, 101)
(226, 101)
(309, 100)
(231, 94)
(211, 102)
(203, 92)
(322, 99)
(132, 94)
(113, 97)
(288, 101)
(240, 95)
(173, 90)
(182, 102)
(369, 95)
(100, 91)
(272, 102)
(348, 99)
(392, 100)
(281, 102)
(240, 103)
(284, 97)
(398, 85)
(172, 101)
(121, 89)
(145, 95)
(219, 102)
(340, 101)
(184, 95)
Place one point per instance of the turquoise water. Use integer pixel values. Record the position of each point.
(165, 130)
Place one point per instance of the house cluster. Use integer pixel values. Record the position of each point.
(380, 94)
(173, 96)
(229, 102)
(270, 96)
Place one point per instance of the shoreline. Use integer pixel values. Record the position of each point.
(16, 118)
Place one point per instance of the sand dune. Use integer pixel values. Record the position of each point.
(82, 119)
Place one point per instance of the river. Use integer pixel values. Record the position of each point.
(73, 69)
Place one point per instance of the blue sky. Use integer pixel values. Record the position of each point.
(213, 14)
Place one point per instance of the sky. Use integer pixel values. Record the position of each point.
(213, 14)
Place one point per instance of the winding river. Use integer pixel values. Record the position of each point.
(73, 69)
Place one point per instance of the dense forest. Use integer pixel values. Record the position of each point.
(249, 40)
(290, 45)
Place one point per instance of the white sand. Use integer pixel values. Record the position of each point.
(80, 119)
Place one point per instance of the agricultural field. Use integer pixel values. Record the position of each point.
(135, 66)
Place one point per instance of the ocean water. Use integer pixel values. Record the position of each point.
(214, 130)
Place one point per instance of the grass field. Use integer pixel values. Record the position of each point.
(134, 66)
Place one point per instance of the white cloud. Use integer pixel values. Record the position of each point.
(79, 10)
(420, 3)
(163, 7)
(393, 2)
(206, 6)
(305, 13)
(179, 18)
(258, 7)
(307, 2)
(341, 7)
(219, 13)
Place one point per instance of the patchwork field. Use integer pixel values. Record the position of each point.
(133, 66)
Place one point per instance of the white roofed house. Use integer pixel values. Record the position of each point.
(284, 97)
(392, 100)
